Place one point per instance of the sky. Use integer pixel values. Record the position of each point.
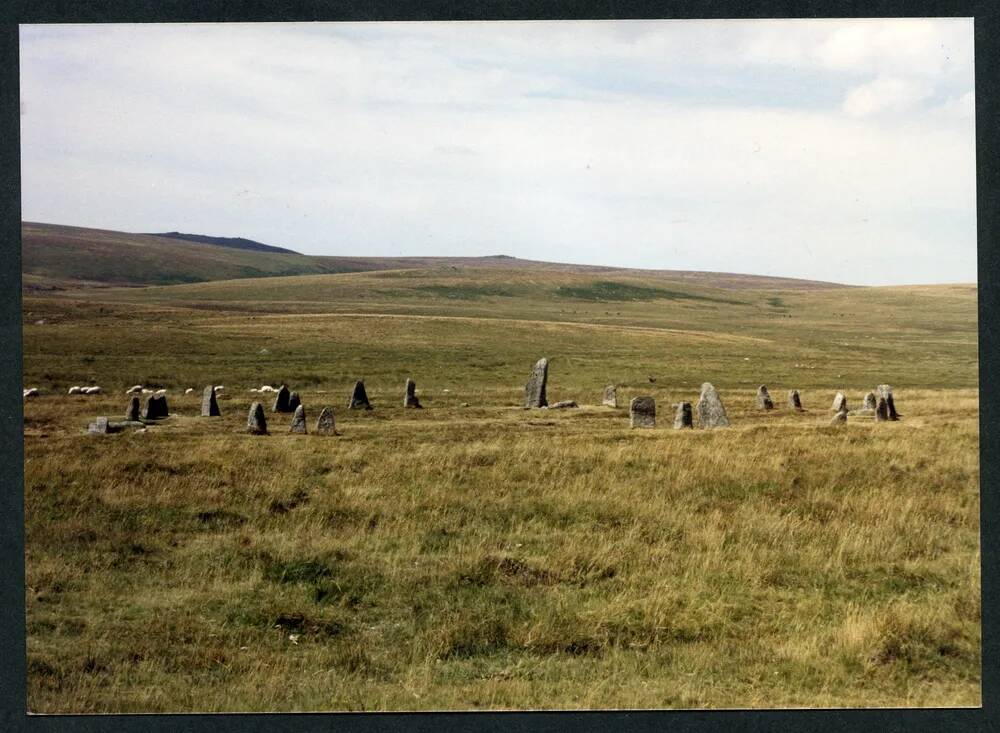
(839, 150)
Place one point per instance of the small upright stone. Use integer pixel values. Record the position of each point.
(156, 408)
(256, 422)
(642, 412)
(359, 398)
(281, 400)
(100, 425)
(711, 413)
(839, 403)
(684, 417)
(610, 396)
(410, 398)
(764, 400)
(132, 412)
(325, 425)
(534, 390)
(299, 421)
(209, 405)
(840, 418)
(886, 392)
(870, 402)
(794, 401)
(882, 410)
(294, 401)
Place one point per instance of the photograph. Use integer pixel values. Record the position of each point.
(535, 365)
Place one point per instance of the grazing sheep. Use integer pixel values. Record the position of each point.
(147, 391)
(134, 390)
(267, 388)
(75, 390)
(32, 392)
(160, 392)
(189, 390)
(91, 390)
(219, 388)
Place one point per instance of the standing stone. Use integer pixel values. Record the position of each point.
(839, 403)
(132, 412)
(156, 408)
(100, 425)
(294, 401)
(610, 396)
(794, 401)
(256, 422)
(325, 425)
(870, 402)
(711, 413)
(410, 398)
(281, 400)
(209, 405)
(642, 412)
(764, 400)
(359, 398)
(886, 391)
(882, 411)
(683, 418)
(534, 390)
(299, 421)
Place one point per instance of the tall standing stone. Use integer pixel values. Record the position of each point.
(294, 401)
(155, 408)
(882, 410)
(256, 422)
(281, 400)
(870, 402)
(794, 401)
(534, 390)
(839, 403)
(610, 396)
(410, 398)
(132, 412)
(299, 421)
(209, 405)
(642, 412)
(711, 413)
(683, 418)
(764, 400)
(359, 398)
(886, 392)
(325, 424)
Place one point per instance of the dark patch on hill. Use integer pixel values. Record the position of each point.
(608, 290)
(233, 242)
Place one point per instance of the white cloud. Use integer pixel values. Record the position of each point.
(885, 94)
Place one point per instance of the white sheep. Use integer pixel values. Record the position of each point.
(267, 388)
(161, 392)
(147, 391)
(219, 388)
(75, 390)
(134, 390)
(91, 390)
(189, 390)
(32, 392)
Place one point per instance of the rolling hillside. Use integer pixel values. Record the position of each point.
(55, 256)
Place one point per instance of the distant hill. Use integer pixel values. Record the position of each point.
(234, 242)
(57, 256)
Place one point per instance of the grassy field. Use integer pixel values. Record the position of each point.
(476, 555)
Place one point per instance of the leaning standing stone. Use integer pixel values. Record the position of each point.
(794, 401)
(870, 402)
(294, 401)
(839, 403)
(410, 398)
(642, 412)
(209, 405)
(256, 422)
(764, 398)
(711, 413)
(886, 391)
(534, 390)
(281, 400)
(299, 421)
(359, 398)
(683, 418)
(132, 412)
(325, 424)
(610, 396)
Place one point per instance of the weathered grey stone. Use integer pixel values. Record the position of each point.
(711, 413)
(100, 425)
(642, 412)
(534, 390)
(610, 396)
(882, 411)
(684, 416)
(839, 403)
(326, 425)
(299, 421)
(281, 400)
(209, 405)
(563, 404)
(410, 396)
(886, 391)
(256, 421)
(132, 411)
(155, 408)
(840, 418)
(794, 401)
(870, 402)
(359, 398)
(294, 401)
(764, 401)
